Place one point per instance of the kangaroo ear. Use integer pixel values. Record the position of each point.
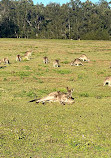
(72, 90)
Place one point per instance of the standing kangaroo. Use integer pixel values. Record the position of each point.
(45, 60)
(18, 58)
(57, 96)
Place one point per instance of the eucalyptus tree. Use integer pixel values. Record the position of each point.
(8, 26)
(75, 18)
(52, 12)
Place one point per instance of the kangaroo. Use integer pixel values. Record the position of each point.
(45, 60)
(58, 96)
(56, 63)
(27, 55)
(83, 57)
(107, 81)
(76, 62)
(6, 61)
(18, 58)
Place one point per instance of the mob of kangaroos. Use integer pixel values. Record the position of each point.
(26, 56)
(57, 96)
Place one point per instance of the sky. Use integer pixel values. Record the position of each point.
(45, 2)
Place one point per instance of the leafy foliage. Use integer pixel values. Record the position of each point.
(73, 20)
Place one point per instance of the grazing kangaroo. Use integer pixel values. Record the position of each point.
(45, 60)
(18, 58)
(83, 57)
(56, 63)
(107, 81)
(27, 55)
(6, 61)
(76, 62)
(58, 96)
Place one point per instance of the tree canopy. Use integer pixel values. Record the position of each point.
(73, 20)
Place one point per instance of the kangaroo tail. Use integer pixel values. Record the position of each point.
(33, 100)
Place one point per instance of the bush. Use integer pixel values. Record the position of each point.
(96, 35)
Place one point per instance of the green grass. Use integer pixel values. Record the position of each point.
(80, 130)
(62, 71)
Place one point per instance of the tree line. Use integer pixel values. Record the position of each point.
(73, 20)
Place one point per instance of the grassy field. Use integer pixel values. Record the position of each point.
(30, 130)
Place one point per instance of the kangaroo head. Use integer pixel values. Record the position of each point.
(57, 60)
(69, 92)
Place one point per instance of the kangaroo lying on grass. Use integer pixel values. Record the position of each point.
(76, 62)
(58, 96)
(27, 55)
(83, 57)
